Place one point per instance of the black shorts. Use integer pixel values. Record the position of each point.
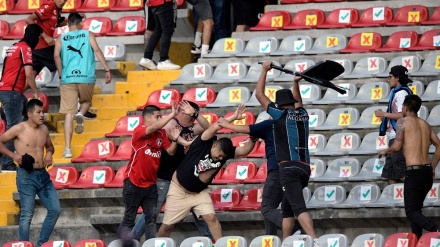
(202, 7)
(395, 165)
(43, 58)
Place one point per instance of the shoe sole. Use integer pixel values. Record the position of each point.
(168, 68)
(148, 67)
(196, 52)
(67, 156)
(79, 127)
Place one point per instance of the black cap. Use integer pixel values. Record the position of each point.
(285, 97)
(401, 72)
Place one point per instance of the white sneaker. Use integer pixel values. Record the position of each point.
(148, 64)
(167, 65)
(79, 127)
(67, 153)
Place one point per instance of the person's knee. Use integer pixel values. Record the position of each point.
(210, 218)
(209, 23)
(299, 210)
(166, 228)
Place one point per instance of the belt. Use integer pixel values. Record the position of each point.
(419, 167)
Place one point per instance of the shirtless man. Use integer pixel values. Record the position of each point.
(30, 139)
(415, 135)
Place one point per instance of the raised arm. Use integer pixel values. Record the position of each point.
(163, 121)
(398, 141)
(436, 142)
(261, 84)
(237, 128)
(173, 134)
(100, 56)
(296, 93)
(213, 128)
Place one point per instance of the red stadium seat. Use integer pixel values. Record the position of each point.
(340, 18)
(4, 27)
(374, 17)
(327, 1)
(294, 1)
(425, 239)
(393, 240)
(96, 5)
(41, 96)
(2, 126)
(218, 176)
(118, 180)
(60, 30)
(61, 243)
(210, 116)
(18, 244)
(96, 150)
(63, 176)
(238, 172)
(272, 20)
(225, 199)
(363, 42)
(247, 120)
(239, 141)
(435, 18)
(305, 19)
(410, 15)
(126, 125)
(400, 41)
(97, 25)
(90, 242)
(162, 98)
(259, 152)
(128, 5)
(6, 6)
(128, 25)
(251, 200)
(260, 176)
(25, 7)
(93, 177)
(71, 6)
(17, 30)
(200, 96)
(123, 152)
(430, 40)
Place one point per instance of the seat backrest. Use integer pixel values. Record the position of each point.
(231, 241)
(124, 149)
(25, 6)
(429, 239)
(196, 242)
(372, 141)
(370, 66)
(362, 194)
(96, 150)
(432, 92)
(295, 44)
(163, 98)
(96, 6)
(4, 25)
(332, 240)
(317, 168)
(333, 95)
(211, 117)
(127, 5)
(411, 14)
(427, 39)
(230, 46)
(271, 20)
(431, 64)
(89, 243)
(224, 199)
(129, 25)
(255, 70)
(326, 196)
(368, 116)
(266, 240)
(298, 65)
(269, 91)
(347, 64)
(261, 45)
(248, 119)
(316, 117)
(373, 91)
(309, 18)
(392, 193)
(342, 117)
(163, 242)
(229, 70)
(343, 167)
(17, 30)
(375, 16)
(368, 239)
(6, 7)
(298, 240)
(252, 197)
(63, 175)
(417, 87)
(343, 142)
(240, 170)
(402, 40)
(374, 165)
(433, 195)
(435, 17)
(310, 92)
(126, 125)
(344, 17)
(195, 72)
(96, 175)
(42, 97)
(412, 63)
(201, 95)
(330, 43)
(407, 239)
(113, 50)
(317, 142)
(365, 41)
(72, 5)
(18, 244)
(97, 25)
(232, 95)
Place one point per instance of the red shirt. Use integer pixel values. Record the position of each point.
(14, 77)
(153, 3)
(145, 156)
(48, 16)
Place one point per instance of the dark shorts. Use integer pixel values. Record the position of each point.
(43, 58)
(395, 165)
(241, 11)
(202, 7)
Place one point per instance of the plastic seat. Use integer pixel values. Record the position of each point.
(340, 144)
(119, 243)
(113, 51)
(231, 241)
(359, 196)
(251, 200)
(52, 243)
(24, 7)
(262, 116)
(305, 19)
(218, 176)
(347, 64)
(310, 93)
(93, 177)
(59, 31)
(272, 20)
(427, 239)
(307, 194)
(228, 73)
(374, 17)
(17, 30)
(369, 93)
(298, 65)
(417, 87)
(317, 168)
(399, 239)
(432, 198)
(435, 18)
(211, 117)
(430, 66)
(392, 196)
(231, 96)
(369, 239)
(63, 176)
(96, 150)
(340, 18)
(368, 67)
(118, 180)
(266, 240)
(18, 244)
(238, 172)
(225, 199)
(99, 26)
(226, 47)
(96, 6)
(201, 96)
(127, 5)
(340, 170)
(259, 46)
(260, 176)
(400, 41)
(434, 116)
(328, 43)
(128, 25)
(431, 92)
(298, 240)
(372, 143)
(423, 112)
(326, 196)
(258, 151)
(86, 242)
(4, 25)
(339, 118)
(339, 240)
(72, 6)
(123, 152)
(269, 91)
(196, 241)
(5, 7)
(164, 242)
(294, 1)
(255, 71)
(162, 98)
(241, 140)
(363, 42)
(44, 77)
(430, 40)
(412, 63)
(41, 96)
(2, 125)
(368, 119)
(125, 126)
(410, 15)
(316, 143)
(193, 73)
(333, 97)
(294, 44)
(371, 170)
(317, 118)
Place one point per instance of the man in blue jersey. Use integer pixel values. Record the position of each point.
(75, 61)
(291, 133)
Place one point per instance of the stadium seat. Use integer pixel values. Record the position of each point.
(218, 176)
(231, 241)
(52, 243)
(307, 194)
(431, 151)
(269, 91)
(339, 240)
(59, 31)
(72, 6)
(369, 239)
(317, 118)
(339, 170)
(417, 87)
(412, 63)
(226, 47)
(306, 19)
(118, 180)
(255, 71)
(225, 199)
(371, 170)
(126, 125)
(428, 239)
(434, 116)
(367, 67)
(310, 93)
(430, 67)
(2, 126)
(128, 25)
(24, 7)
(298, 240)
(96, 6)
(339, 118)
(399, 239)
(238, 172)
(368, 119)
(164, 242)
(123, 152)
(370, 93)
(18, 244)
(201, 96)
(119, 243)
(374, 17)
(259, 46)
(113, 50)
(333, 97)
(193, 73)
(228, 73)
(326, 196)
(90, 242)
(266, 240)
(363, 42)
(44, 77)
(195, 241)
(4, 27)
(432, 92)
(5, 7)
(251, 200)
(93, 177)
(127, 5)
(317, 168)
(400, 41)
(423, 112)
(210, 116)
(62, 176)
(316, 143)
(340, 144)
(17, 30)
(240, 140)
(262, 116)
(272, 20)
(162, 98)
(359, 196)
(435, 18)
(41, 96)
(328, 43)
(294, 44)
(372, 143)
(340, 18)
(298, 65)
(259, 150)
(231, 96)
(432, 198)
(96, 150)
(295, 1)
(430, 40)
(410, 15)
(347, 64)
(392, 196)
(260, 176)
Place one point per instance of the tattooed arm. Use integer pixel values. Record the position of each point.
(398, 142)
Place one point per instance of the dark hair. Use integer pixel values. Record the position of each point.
(32, 35)
(412, 103)
(32, 103)
(74, 19)
(225, 145)
(149, 110)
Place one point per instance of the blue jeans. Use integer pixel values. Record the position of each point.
(14, 106)
(38, 183)
(219, 19)
(272, 196)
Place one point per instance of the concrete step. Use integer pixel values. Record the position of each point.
(92, 126)
(103, 100)
(114, 112)
(152, 76)
(77, 139)
(8, 219)
(9, 206)
(7, 178)
(7, 190)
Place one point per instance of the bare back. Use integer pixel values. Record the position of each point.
(416, 141)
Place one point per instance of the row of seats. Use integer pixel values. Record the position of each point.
(347, 17)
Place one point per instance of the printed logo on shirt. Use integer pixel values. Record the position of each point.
(159, 142)
(153, 154)
(205, 164)
(71, 48)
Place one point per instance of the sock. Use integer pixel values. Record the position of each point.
(198, 39)
(205, 49)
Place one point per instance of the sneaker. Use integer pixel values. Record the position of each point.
(167, 65)
(89, 115)
(148, 64)
(79, 127)
(196, 50)
(67, 153)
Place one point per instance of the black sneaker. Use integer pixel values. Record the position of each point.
(196, 50)
(89, 115)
